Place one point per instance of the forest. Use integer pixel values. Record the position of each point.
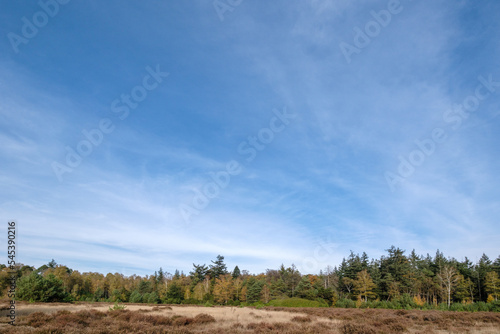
(395, 281)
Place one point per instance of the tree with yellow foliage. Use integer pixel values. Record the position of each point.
(492, 284)
(364, 285)
(224, 289)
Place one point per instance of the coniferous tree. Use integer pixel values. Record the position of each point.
(305, 289)
(174, 293)
(254, 290)
(199, 273)
(496, 265)
(236, 272)
(218, 268)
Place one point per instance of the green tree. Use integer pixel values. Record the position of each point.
(150, 298)
(496, 265)
(236, 272)
(218, 268)
(145, 287)
(305, 289)
(254, 290)
(278, 288)
(135, 297)
(199, 273)
(36, 288)
(398, 266)
(484, 266)
(291, 276)
(52, 264)
(174, 293)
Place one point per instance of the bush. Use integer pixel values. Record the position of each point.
(203, 318)
(297, 302)
(443, 306)
(302, 319)
(345, 303)
(457, 307)
(482, 307)
(352, 328)
(117, 307)
(407, 302)
(234, 303)
(191, 301)
(495, 306)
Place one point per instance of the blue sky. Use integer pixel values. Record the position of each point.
(315, 146)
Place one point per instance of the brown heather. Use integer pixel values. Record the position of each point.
(97, 318)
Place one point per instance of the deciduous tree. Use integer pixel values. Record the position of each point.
(364, 285)
(448, 278)
(224, 289)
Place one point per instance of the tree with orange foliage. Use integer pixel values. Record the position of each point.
(224, 289)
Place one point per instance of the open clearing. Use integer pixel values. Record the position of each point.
(143, 318)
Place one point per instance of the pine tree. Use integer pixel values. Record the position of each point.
(254, 290)
(278, 288)
(496, 265)
(218, 268)
(174, 293)
(236, 272)
(199, 272)
(483, 267)
(305, 289)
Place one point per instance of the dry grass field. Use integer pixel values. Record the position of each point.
(141, 318)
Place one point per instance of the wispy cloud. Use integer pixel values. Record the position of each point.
(321, 179)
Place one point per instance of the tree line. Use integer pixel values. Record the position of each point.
(395, 280)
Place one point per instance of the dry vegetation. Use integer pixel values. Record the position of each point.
(140, 318)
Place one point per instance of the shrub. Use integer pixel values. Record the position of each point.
(203, 318)
(37, 319)
(302, 319)
(345, 303)
(117, 307)
(482, 307)
(352, 328)
(495, 306)
(296, 302)
(181, 321)
(407, 301)
(457, 307)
